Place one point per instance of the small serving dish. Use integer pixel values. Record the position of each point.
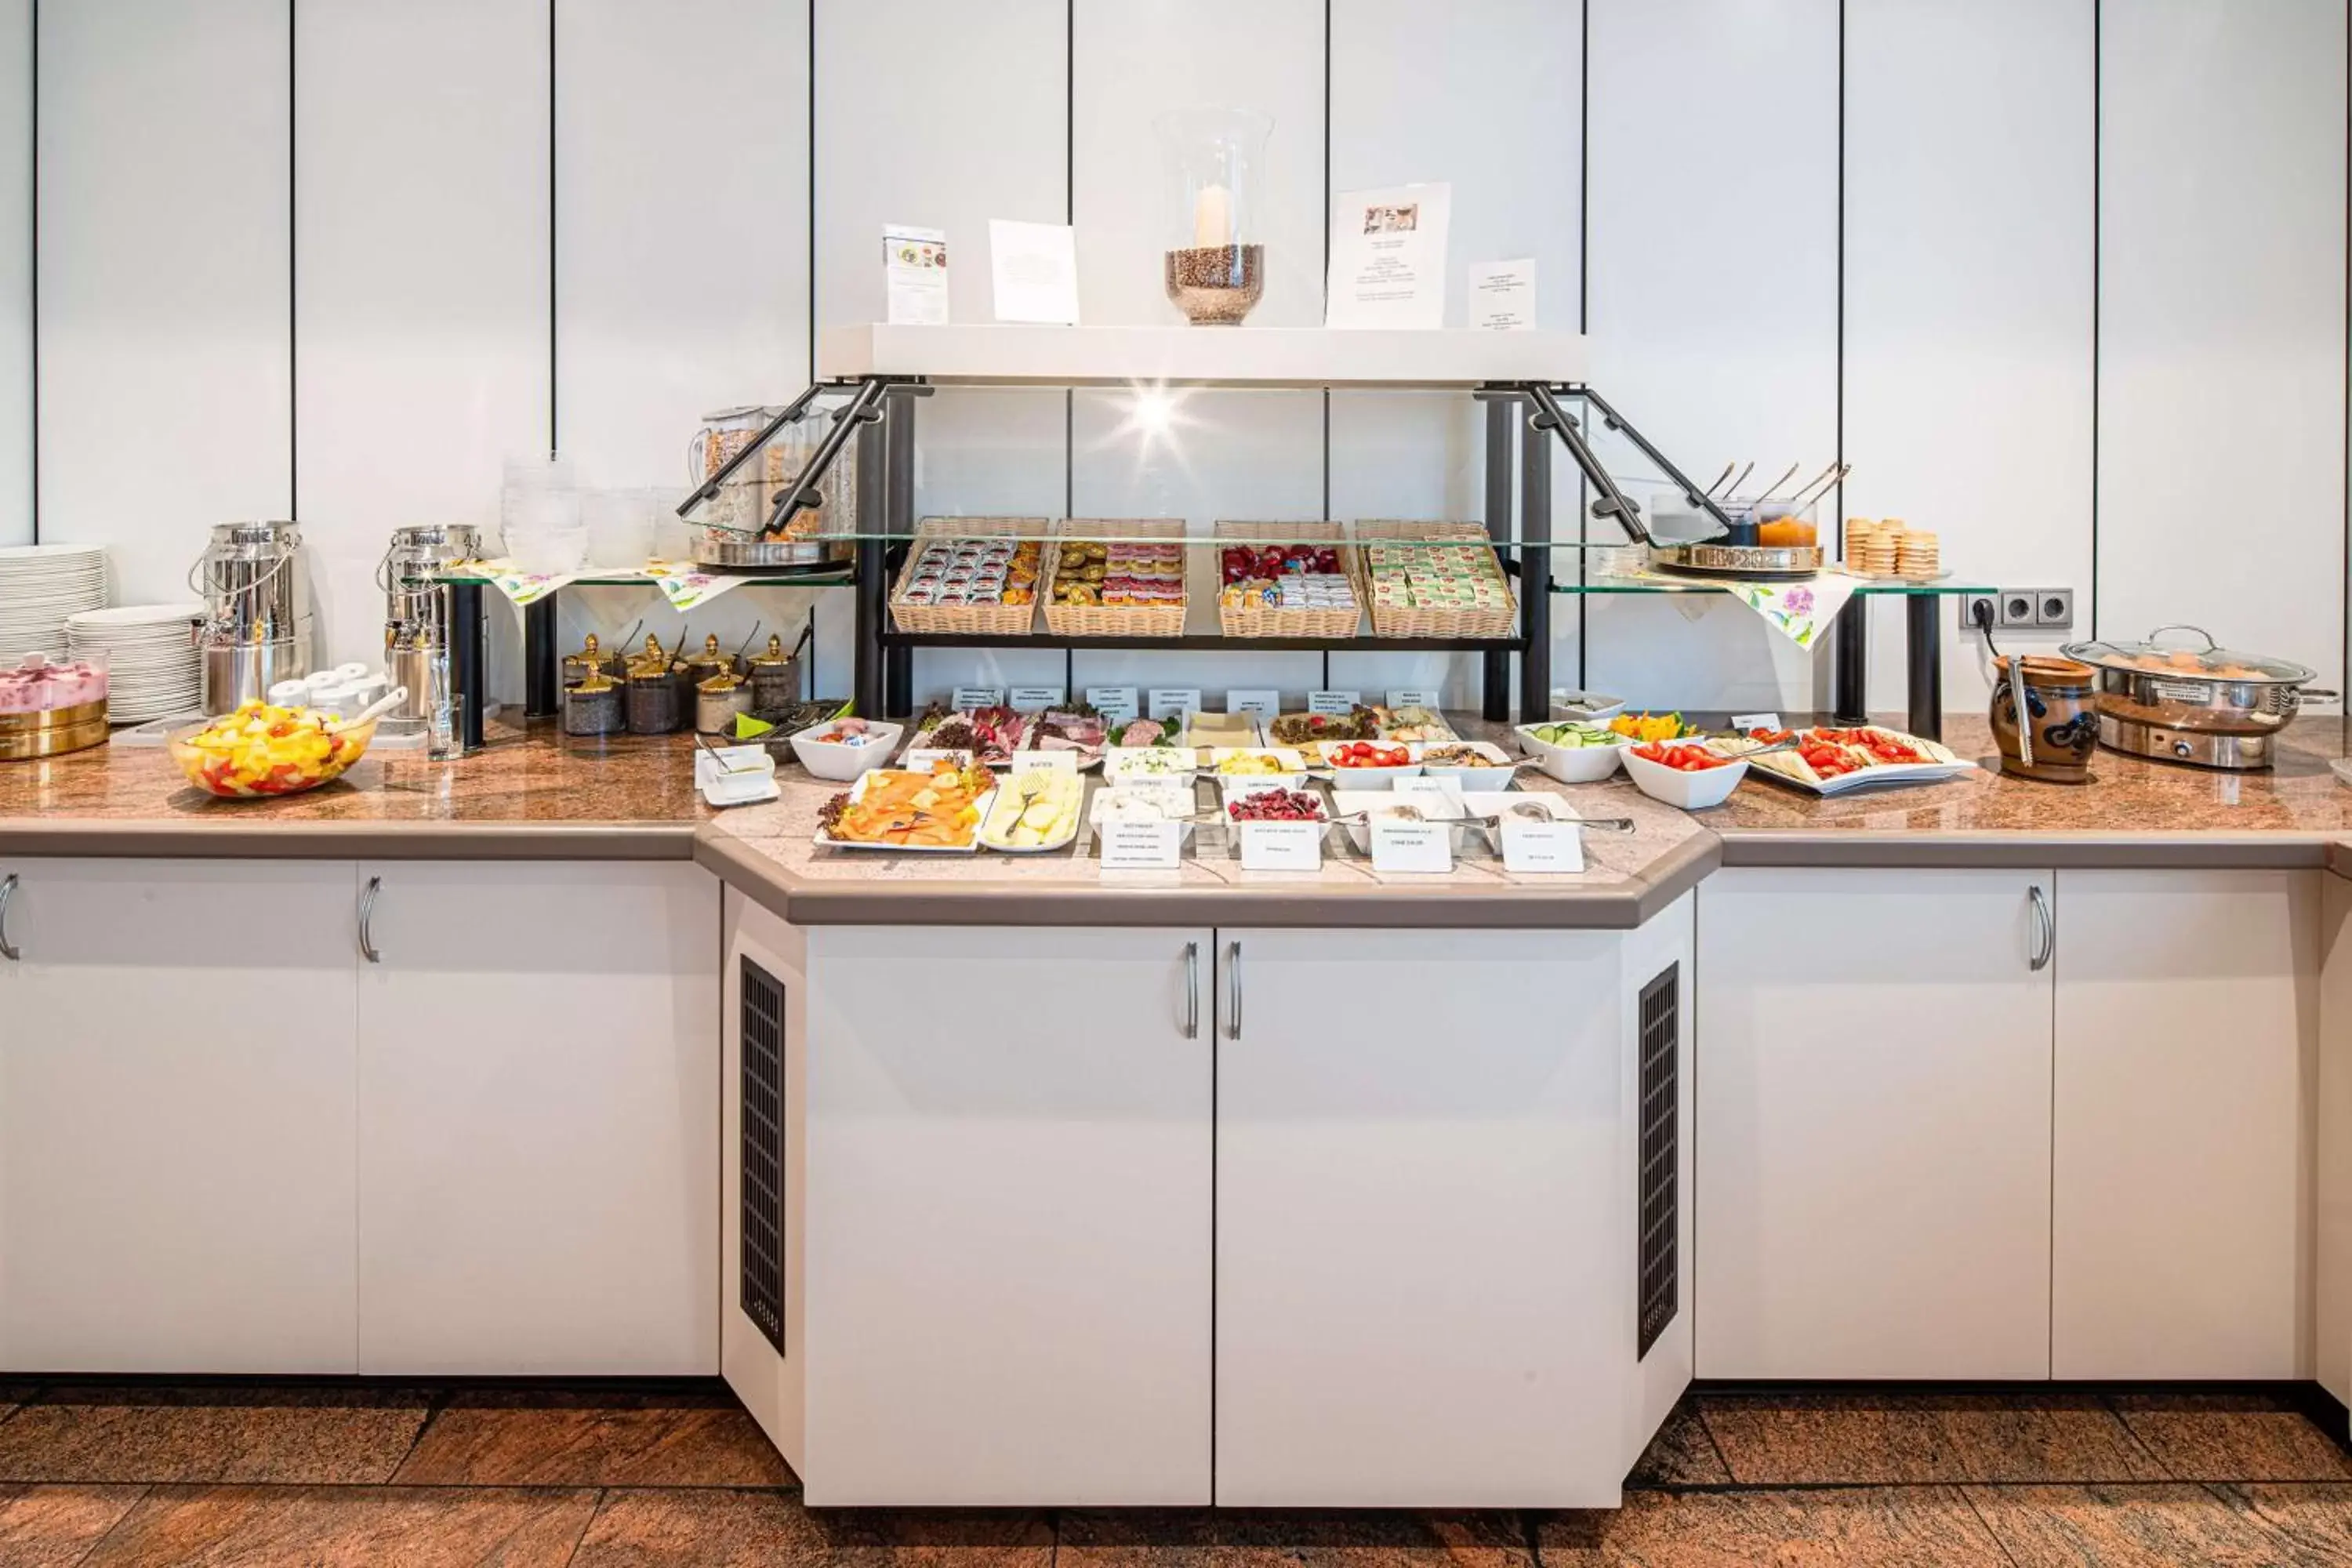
(1584, 705)
(1369, 806)
(1587, 764)
(1687, 791)
(826, 752)
(1446, 760)
(1267, 763)
(1123, 762)
(1360, 763)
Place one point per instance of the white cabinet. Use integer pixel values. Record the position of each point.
(2188, 1060)
(1008, 1163)
(1873, 1103)
(1422, 1296)
(176, 1090)
(539, 1119)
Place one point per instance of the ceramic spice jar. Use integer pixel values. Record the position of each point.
(2061, 711)
(592, 705)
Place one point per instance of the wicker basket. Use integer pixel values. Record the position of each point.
(1432, 621)
(1266, 621)
(966, 620)
(1110, 620)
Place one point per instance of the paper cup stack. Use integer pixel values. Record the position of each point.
(150, 656)
(41, 586)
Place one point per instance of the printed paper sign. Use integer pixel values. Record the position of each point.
(1388, 258)
(1034, 268)
(1414, 696)
(1044, 762)
(1503, 296)
(1174, 703)
(1282, 846)
(1756, 722)
(1542, 848)
(915, 270)
(1140, 845)
(1264, 704)
(1115, 703)
(1411, 847)
(1340, 703)
(1029, 699)
(970, 697)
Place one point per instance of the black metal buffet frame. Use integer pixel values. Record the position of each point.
(880, 415)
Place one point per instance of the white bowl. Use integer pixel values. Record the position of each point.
(1377, 803)
(1690, 792)
(1572, 765)
(1584, 706)
(832, 759)
(1468, 778)
(1366, 778)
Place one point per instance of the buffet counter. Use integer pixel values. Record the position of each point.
(996, 1179)
(536, 796)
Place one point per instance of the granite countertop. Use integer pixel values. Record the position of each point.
(536, 796)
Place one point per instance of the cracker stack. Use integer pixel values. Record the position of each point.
(1884, 554)
(1858, 531)
(1919, 556)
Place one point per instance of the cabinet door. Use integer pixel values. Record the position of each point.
(1874, 1114)
(539, 1119)
(2187, 1057)
(1008, 1217)
(176, 1118)
(1423, 1295)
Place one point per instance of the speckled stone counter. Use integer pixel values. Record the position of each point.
(2132, 813)
(539, 796)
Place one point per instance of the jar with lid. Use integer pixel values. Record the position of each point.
(775, 679)
(591, 659)
(592, 705)
(652, 693)
(712, 660)
(718, 699)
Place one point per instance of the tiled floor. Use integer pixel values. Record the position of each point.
(137, 1474)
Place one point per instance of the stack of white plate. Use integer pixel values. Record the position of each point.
(40, 585)
(150, 656)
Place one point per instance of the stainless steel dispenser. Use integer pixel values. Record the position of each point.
(416, 611)
(255, 588)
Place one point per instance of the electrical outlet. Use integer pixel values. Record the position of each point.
(2053, 607)
(1968, 603)
(2017, 606)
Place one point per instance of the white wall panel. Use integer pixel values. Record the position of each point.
(681, 204)
(681, 252)
(421, 254)
(1712, 258)
(1229, 455)
(165, 383)
(2222, 348)
(944, 115)
(15, 271)
(1968, 300)
(1481, 95)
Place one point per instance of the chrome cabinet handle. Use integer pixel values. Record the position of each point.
(1234, 991)
(2045, 927)
(7, 891)
(367, 921)
(1191, 990)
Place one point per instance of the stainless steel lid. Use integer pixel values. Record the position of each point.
(2173, 661)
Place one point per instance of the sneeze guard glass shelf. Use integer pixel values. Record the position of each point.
(1942, 587)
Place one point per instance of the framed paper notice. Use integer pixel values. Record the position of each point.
(915, 267)
(1388, 258)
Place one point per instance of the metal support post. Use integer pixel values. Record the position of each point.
(1502, 436)
(871, 591)
(1922, 649)
(542, 692)
(469, 662)
(899, 522)
(1535, 578)
(1850, 663)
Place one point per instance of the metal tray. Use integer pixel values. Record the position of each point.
(1745, 561)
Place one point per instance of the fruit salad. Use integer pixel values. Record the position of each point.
(262, 749)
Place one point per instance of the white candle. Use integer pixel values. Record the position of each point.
(1212, 218)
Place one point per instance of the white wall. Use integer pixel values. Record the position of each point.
(1932, 311)
(165, 380)
(15, 271)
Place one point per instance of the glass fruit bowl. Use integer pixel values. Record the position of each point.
(262, 750)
